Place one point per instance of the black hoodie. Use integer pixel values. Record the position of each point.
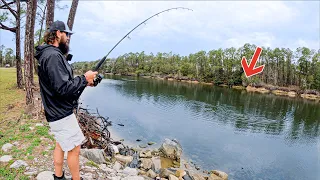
(60, 91)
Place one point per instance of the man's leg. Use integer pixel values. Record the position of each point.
(58, 156)
(73, 163)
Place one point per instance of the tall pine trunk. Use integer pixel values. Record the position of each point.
(33, 21)
(18, 49)
(29, 49)
(72, 13)
(50, 13)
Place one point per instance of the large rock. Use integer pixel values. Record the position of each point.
(45, 175)
(124, 159)
(156, 163)
(30, 173)
(117, 166)
(164, 173)
(104, 168)
(197, 177)
(221, 174)
(180, 173)
(171, 149)
(145, 163)
(133, 178)
(130, 171)
(18, 163)
(115, 178)
(7, 147)
(145, 154)
(5, 158)
(96, 155)
(151, 174)
(173, 177)
(214, 177)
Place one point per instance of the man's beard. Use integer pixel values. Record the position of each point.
(64, 47)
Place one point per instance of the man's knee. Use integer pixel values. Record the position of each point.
(58, 162)
(75, 151)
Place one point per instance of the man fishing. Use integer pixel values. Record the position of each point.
(60, 92)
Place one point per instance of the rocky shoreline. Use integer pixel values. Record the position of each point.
(124, 163)
(279, 91)
(162, 163)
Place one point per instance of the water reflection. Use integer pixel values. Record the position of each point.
(247, 135)
(248, 112)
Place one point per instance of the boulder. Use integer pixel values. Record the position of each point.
(145, 163)
(5, 158)
(197, 177)
(7, 147)
(117, 166)
(164, 173)
(173, 177)
(156, 163)
(180, 173)
(214, 177)
(171, 149)
(221, 174)
(124, 159)
(133, 178)
(18, 163)
(104, 168)
(130, 171)
(145, 154)
(151, 174)
(45, 175)
(95, 155)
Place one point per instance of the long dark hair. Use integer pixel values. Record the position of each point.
(50, 37)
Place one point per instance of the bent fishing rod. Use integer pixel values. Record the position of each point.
(99, 77)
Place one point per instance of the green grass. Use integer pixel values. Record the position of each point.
(24, 128)
(42, 130)
(14, 126)
(92, 164)
(12, 174)
(9, 93)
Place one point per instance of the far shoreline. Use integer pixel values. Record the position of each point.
(311, 95)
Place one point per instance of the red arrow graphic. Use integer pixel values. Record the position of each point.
(250, 70)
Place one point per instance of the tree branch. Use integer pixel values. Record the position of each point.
(40, 8)
(2, 26)
(2, 7)
(13, 12)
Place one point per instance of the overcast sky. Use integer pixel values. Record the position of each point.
(211, 25)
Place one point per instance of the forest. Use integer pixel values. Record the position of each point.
(28, 20)
(283, 67)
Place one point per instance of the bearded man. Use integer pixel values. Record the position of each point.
(60, 92)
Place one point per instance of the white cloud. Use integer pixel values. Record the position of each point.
(212, 20)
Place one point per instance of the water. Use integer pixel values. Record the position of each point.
(246, 135)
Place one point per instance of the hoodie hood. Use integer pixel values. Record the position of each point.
(42, 48)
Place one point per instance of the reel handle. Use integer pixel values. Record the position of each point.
(97, 80)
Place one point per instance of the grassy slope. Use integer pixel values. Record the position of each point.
(15, 127)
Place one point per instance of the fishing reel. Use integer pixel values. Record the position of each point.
(97, 80)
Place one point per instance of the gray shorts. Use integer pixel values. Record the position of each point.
(67, 132)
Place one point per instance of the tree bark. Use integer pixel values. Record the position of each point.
(33, 21)
(28, 50)
(18, 49)
(35, 62)
(50, 13)
(72, 13)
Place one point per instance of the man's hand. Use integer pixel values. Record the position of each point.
(90, 75)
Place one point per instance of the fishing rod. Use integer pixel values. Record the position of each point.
(97, 80)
